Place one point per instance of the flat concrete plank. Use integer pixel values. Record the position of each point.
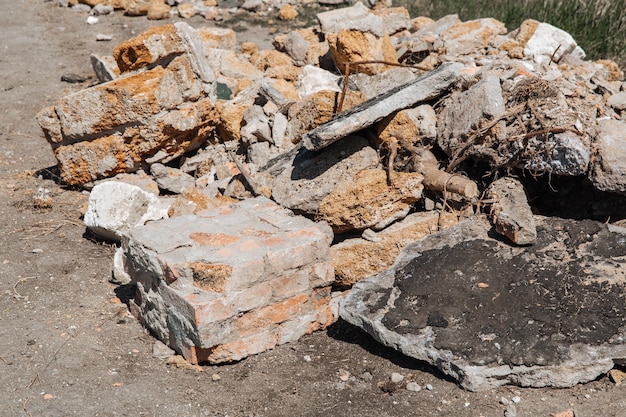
(424, 88)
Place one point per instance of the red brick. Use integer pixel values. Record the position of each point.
(208, 311)
(229, 352)
(271, 315)
(291, 283)
(213, 239)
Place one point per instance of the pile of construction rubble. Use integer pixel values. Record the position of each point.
(209, 9)
(249, 187)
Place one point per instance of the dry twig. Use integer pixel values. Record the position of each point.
(459, 156)
(17, 294)
(436, 179)
(53, 357)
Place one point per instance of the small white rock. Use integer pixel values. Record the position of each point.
(396, 377)
(413, 386)
(102, 37)
(307, 358)
(429, 387)
(92, 20)
(516, 399)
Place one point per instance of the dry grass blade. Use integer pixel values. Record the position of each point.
(53, 357)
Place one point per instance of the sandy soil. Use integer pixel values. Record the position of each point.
(67, 344)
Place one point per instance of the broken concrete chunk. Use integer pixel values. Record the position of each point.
(617, 101)
(229, 64)
(116, 207)
(415, 125)
(374, 85)
(256, 126)
(119, 274)
(439, 26)
(564, 153)
(305, 179)
(316, 109)
(426, 87)
(510, 211)
(548, 43)
(473, 35)
(171, 179)
(297, 47)
(155, 44)
(357, 17)
(349, 46)
(230, 282)
(214, 37)
(608, 170)
(488, 314)
(314, 79)
(464, 112)
(172, 133)
(105, 67)
(395, 19)
(355, 259)
(367, 199)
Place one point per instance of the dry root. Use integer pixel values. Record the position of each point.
(436, 179)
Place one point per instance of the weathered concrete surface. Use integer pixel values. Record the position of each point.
(608, 170)
(302, 182)
(548, 43)
(417, 125)
(367, 199)
(358, 258)
(426, 87)
(117, 207)
(357, 17)
(317, 109)
(510, 211)
(464, 111)
(488, 314)
(231, 281)
(472, 35)
(349, 45)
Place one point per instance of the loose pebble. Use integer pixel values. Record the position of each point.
(344, 375)
(413, 387)
(366, 376)
(396, 377)
(101, 37)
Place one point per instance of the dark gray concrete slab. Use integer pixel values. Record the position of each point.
(490, 314)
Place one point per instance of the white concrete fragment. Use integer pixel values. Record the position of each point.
(120, 276)
(608, 170)
(357, 17)
(116, 207)
(551, 43)
(314, 79)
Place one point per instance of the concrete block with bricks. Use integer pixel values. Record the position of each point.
(231, 281)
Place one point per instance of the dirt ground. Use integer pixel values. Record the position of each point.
(67, 344)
